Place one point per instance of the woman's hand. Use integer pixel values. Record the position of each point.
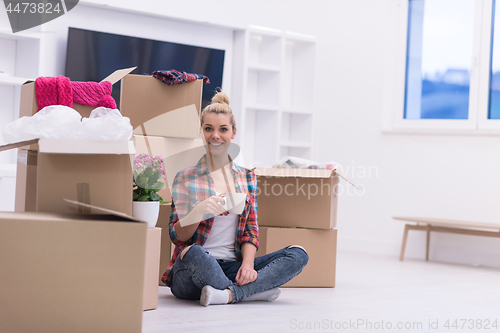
(246, 274)
(212, 205)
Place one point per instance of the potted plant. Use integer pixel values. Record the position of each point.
(148, 175)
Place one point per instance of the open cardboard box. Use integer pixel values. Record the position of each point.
(320, 245)
(157, 109)
(71, 273)
(301, 198)
(28, 104)
(92, 172)
(154, 108)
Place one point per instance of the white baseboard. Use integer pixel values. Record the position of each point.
(457, 249)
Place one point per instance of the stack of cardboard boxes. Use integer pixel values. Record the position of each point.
(299, 207)
(179, 143)
(96, 271)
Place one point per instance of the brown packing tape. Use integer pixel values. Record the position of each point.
(25, 195)
(83, 195)
(32, 158)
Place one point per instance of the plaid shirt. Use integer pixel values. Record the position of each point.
(172, 77)
(193, 185)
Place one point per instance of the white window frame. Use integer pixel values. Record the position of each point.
(477, 122)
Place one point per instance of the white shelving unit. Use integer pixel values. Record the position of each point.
(19, 62)
(274, 95)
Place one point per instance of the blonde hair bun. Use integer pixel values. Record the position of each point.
(221, 98)
(219, 104)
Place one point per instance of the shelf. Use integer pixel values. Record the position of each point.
(255, 29)
(20, 56)
(264, 47)
(300, 37)
(7, 34)
(12, 80)
(302, 152)
(298, 84)
(296, 128)
(264, 68)
(276, 97)
(305, 111)
(261, 136)
(263, 88)
(263, 107)
(295, 144)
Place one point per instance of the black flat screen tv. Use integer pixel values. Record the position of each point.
(93, 55)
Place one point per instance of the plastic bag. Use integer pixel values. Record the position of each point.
(106, 124)
(62, 122)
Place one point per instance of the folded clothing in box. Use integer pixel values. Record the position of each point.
(61, 91)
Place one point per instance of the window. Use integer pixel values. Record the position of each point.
(439, 59)
(494, 102)
(451, 65)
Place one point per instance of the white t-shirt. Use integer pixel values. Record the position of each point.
(220, 241)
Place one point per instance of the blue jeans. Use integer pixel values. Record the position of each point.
(198, 268)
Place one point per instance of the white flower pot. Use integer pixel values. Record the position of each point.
(147, 211)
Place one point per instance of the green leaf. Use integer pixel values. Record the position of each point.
(142, 181)
(143, 198)
(154, 196)
(153, 179)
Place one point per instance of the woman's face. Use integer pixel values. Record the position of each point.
(218, 132)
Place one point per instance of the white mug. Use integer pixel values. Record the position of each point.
(234, 202)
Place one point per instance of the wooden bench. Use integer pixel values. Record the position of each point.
(448, 226)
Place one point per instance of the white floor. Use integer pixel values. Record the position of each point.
(372, 294)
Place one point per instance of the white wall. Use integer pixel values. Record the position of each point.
(447, 176)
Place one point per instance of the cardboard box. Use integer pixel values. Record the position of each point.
(301, 198)
(71, 273)
(320, 245)
(97, 173)
(154, 108)
(28, 104)
(177, 154)
(166, 243)
(153, 244)
(163, 110)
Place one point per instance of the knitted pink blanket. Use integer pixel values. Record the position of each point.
(61, 91)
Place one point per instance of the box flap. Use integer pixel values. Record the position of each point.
(17, 144)
(349, 180)
(103, 210)
(118, 74)
(305, 173)
(58, 146)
